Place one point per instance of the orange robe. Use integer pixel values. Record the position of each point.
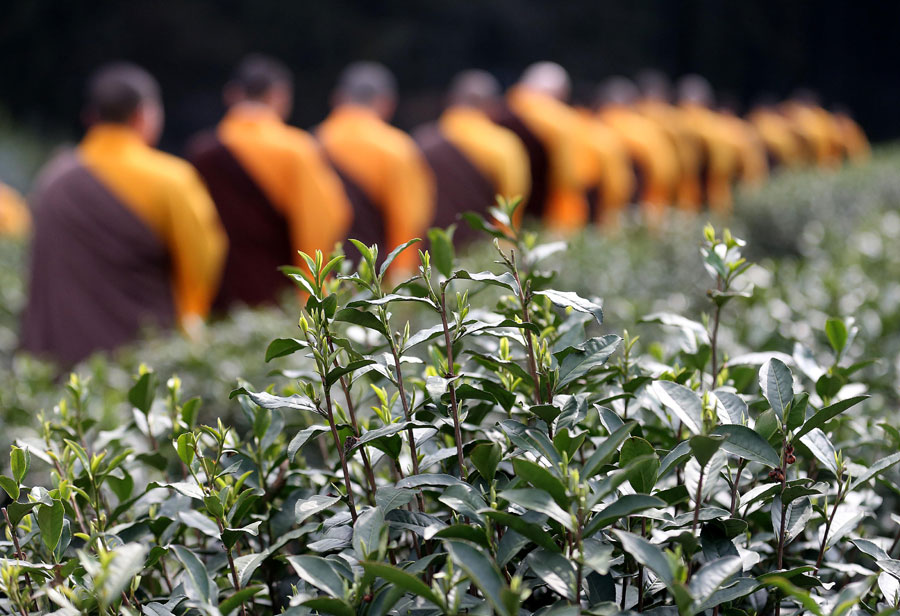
(856, 145)
(784, 146)
(721, 156)
(605, 169)
(15, 219)
(819, 131)
(386, 164)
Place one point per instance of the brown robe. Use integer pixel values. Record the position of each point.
(461, 186)
(99, 274)
(258, 234)
(538, 159)
(368, 222)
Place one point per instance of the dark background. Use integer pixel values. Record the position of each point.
(847, 51)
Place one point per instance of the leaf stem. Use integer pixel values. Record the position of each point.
(837, 502)
(454, 407)
(19, 554)
(697, 501)
(525, 300)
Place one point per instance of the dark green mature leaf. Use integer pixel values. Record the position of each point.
(388, 498)
(330, 605)
(678, 454)
(50, 520)
(389, 298)
(796, 515)
(486, 457)
(247, 564)
(555, 570)
(302, 438)
(428, 479)
(710, 577)
(442, 253)
(235, 600)
(821, 447)
(684, 402)
(797, 413)
(335, 374)
(393, 255)
(540, 477)
(534, 532)
(605, 450)
(313, 505)
(505, 280)
(566, 299)
(622, 507)
(647, 554)
(143, 392)
(361, 318)
(575, 362)
(705, 447)
(748, 444)
(876, 469)
(777, 386)
(281, 347)
(642, 478)
(828, 413)
(198, 583)
(482, 572)
(368, 531)
(540, 501)
(733, 407)
(294, 402)
(320, 573)
(802, 596)
(404, 580)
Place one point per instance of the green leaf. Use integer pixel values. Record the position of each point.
(236, 599)
(821, 447)
(404, 580)
(796, 514)
(368, 531)
(684, 402)
(540, 477)
(626, 505)
(442, 253)
(393, 255)
(505, 280)
(10, 486)
(566, 299)
(320, 573)
(704, 447)
(50, 520)
(361, 318)
(198, 583)
(302, 438)
(294, 402)
(388, 498)
(748, 444)
(19, 461)
(802, 596)
(540, 501)
(184, 448)
(486, 457)
(647, 554)
(330, 605)
(246, 565)
(143, 392)
(281, 347)
(777, 386)
(555, 570)
(527, 529)
(710, 577)
(642, 478)
(313, 505)
(605, 450)
(482, 572)
(879, 467)
(797, 413)
(334, 375)
(837, 334)
(828, 413)
(575, 362)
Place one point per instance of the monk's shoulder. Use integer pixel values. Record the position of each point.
(297, 142)
(169, 171)
(397, 143)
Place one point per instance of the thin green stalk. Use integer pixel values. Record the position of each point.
(454, 407)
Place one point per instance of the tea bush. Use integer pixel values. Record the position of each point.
(505, 455)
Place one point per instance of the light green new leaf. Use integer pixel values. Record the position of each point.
(50, 520)
(836, 331)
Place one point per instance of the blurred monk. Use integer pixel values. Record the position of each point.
(273, 189)
(784, 147)
(536, 111)
(721, 162)
(753, 164)
(385, 175)
(654, 155)
(656, 104)
(853, 139)
(472, 158)
(816, 126)
(124, 235)
(15, 219)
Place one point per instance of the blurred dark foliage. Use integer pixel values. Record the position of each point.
(845, 51)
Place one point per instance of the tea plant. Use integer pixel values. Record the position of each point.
(508, 456)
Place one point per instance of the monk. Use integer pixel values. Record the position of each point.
(385, 175)
(721, 164)
(15, 219)
(784, 146)
(852, 137)
(536, 110)
(656, 104)
(753, 164)
(472, 158)
(125, 236)
(653, 154)
(272, 187)
(816, 126)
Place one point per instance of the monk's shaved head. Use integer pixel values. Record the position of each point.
(696, 89)
(474, 88)
(549, 78)
(616, 90)
(654, 85)
(257, 74)
(365, 82)
(116, 91)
